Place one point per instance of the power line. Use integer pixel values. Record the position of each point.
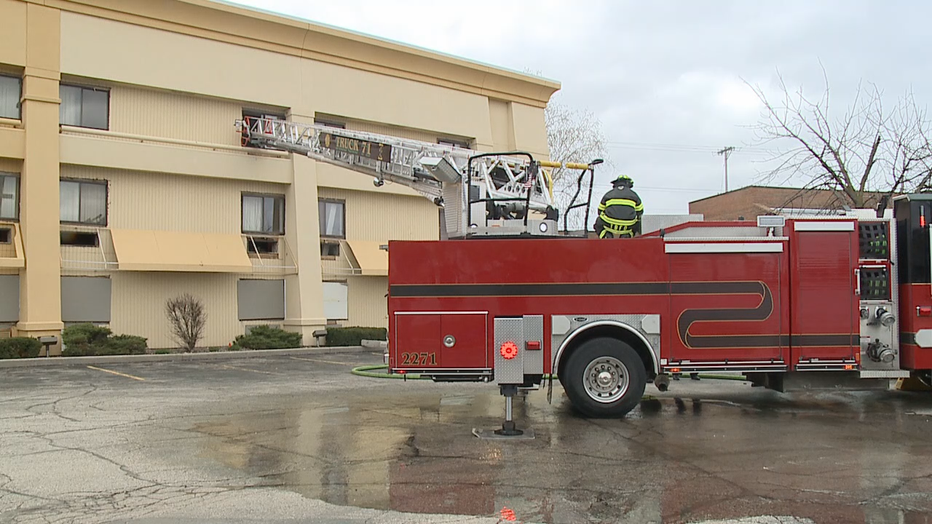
(648, 188)
(684, 148)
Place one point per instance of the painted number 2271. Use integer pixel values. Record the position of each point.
(418, 359)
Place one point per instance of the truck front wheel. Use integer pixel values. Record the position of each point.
(604, 378)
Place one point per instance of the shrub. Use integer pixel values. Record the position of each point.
(90, 340)
(85, 334)
(125, 345)
(266, 337)
(353, 336)
(19, 347)
(188, 318)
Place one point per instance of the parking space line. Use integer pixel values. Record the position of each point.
(248, 369)
(117, 373)
(321, 361)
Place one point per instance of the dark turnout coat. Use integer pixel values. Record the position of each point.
(619, 213)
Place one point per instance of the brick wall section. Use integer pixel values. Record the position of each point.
(752, 201)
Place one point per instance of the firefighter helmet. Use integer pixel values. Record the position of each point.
(623, 179)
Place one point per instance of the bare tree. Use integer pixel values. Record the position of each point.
(188, 318)
(572, 136)
(869, 151)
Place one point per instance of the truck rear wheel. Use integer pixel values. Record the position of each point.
(604, 378)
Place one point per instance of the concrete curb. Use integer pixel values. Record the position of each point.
(175, 357)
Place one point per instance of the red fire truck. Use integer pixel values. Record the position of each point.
(507, 297)
(848, 295)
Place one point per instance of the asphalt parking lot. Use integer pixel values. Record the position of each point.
(300, 439)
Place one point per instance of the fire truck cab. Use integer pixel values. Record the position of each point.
(848, 294)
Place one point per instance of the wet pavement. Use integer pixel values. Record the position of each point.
(291, 439)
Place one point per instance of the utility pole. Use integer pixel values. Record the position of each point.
(726, 152)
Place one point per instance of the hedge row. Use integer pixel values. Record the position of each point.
(353, 336)
(266, 337)
(89, 340)
(19, 347)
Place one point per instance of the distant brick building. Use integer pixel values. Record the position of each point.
(751, 201)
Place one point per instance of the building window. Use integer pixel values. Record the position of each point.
(262, 246)
(332, 218)
(79, 238)
(250, 118)
(464, 144)
(11, 91)
(335, 300)
(329, 249)
(6, 235)
(260, 299)
(83, 202)
(9, 196)
(328, 122)
(264, 214)
(84, 107)
(85, 299)
(9, 299)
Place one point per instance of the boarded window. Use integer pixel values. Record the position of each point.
(335, 301)
(9, 298)
(85, 299)
(261, 299)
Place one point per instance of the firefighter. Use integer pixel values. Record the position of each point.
(620, 211)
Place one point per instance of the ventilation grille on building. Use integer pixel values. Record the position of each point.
(875, 284)
(873, 240)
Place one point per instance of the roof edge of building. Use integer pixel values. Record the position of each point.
(256, 28)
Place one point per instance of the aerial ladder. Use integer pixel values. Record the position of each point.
(481, 194)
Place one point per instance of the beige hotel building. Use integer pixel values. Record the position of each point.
(123, 182)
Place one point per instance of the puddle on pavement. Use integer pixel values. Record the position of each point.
(671, 460)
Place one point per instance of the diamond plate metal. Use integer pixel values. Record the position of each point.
(453, 209)
(578, 323)
(534, 330)
(509, 371)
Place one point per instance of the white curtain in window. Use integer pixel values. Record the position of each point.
(9, 97)
(8, 197)
(69, 113)
(69, 199)
(94, 204)
(332, 221)
(252, 214)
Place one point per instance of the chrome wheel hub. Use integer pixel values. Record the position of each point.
(606, 379)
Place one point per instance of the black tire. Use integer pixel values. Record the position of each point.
(616, 382)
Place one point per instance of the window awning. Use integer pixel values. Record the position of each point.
(138, 250)
(11, 253)
(372, 261)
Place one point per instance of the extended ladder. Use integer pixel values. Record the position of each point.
(506, 185)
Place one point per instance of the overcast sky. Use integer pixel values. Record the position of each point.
(666, 79)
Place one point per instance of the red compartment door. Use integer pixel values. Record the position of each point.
(824, 306)
(440, 341)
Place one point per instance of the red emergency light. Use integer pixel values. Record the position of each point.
(924, 311)
(509, 350)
